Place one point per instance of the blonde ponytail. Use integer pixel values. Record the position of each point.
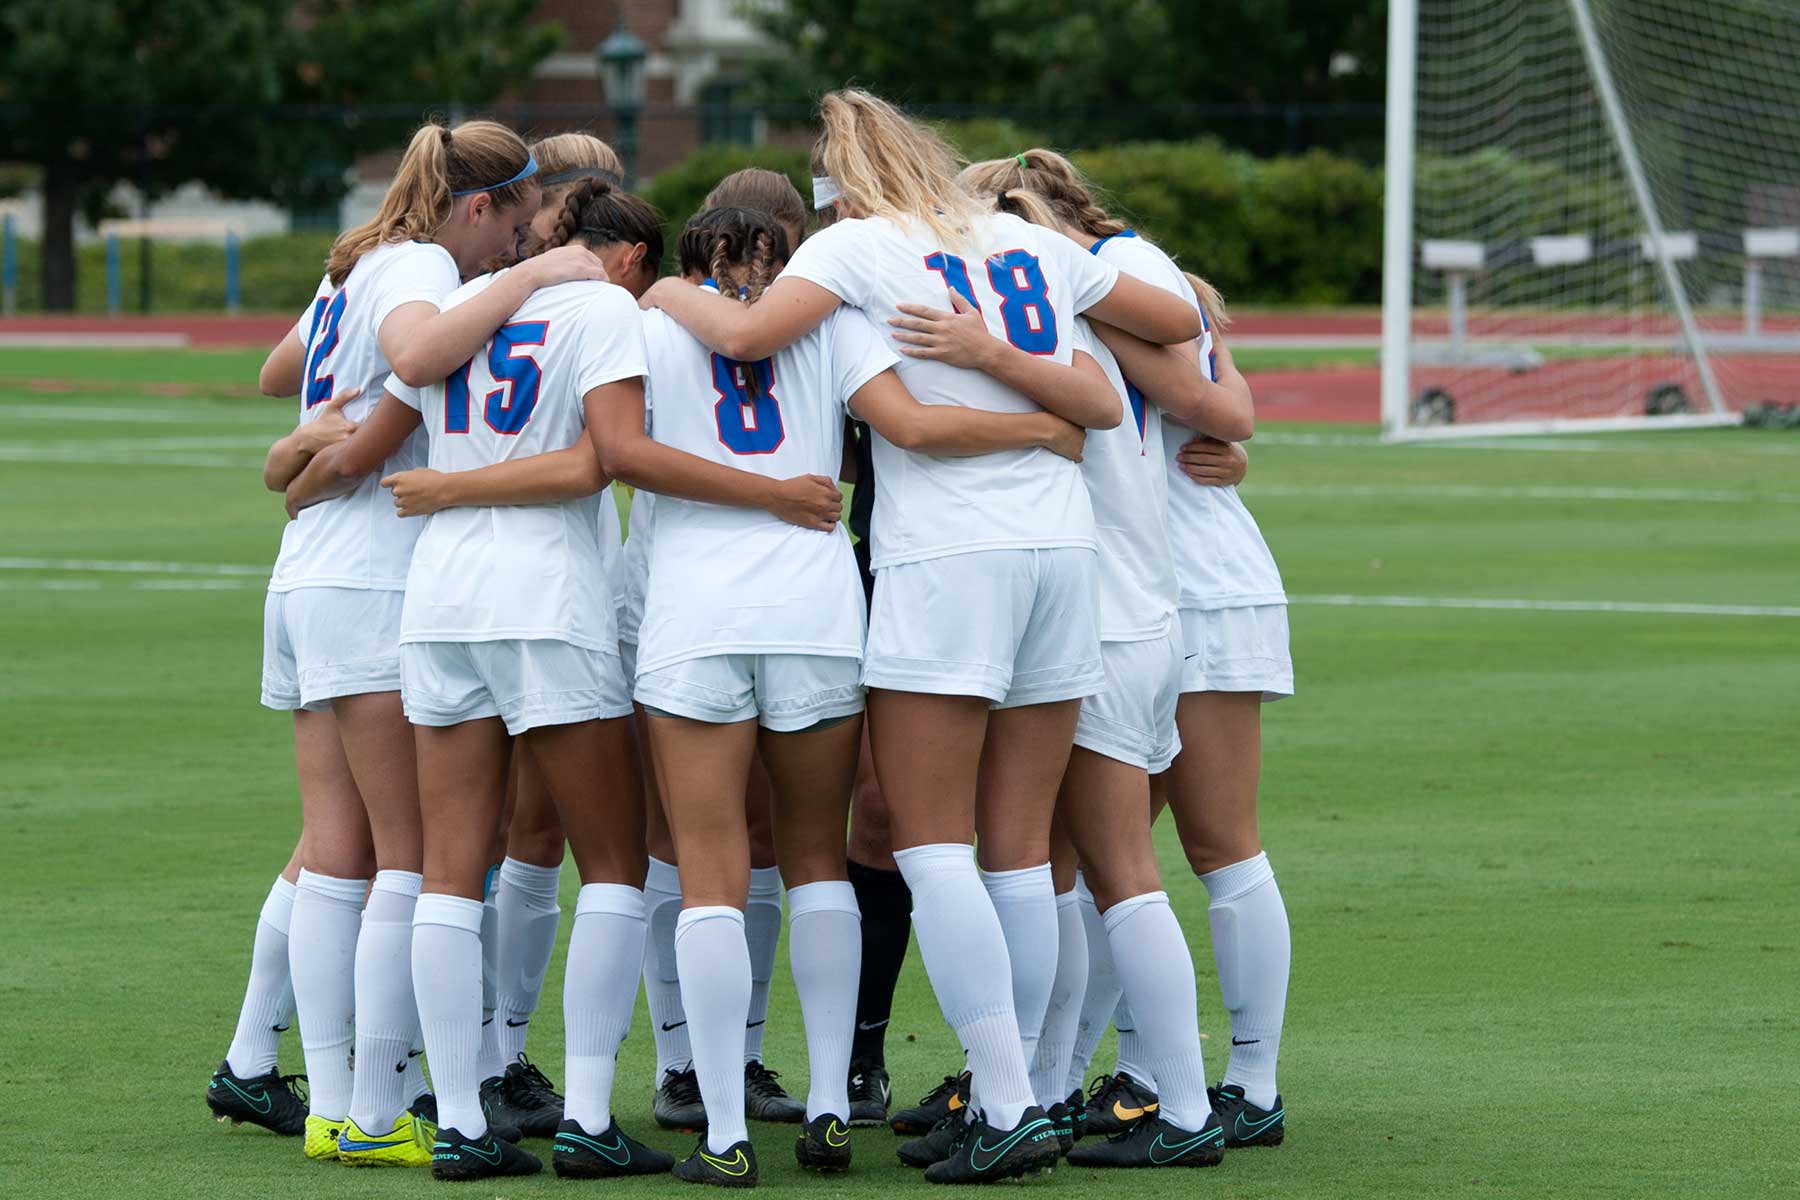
(888, 165)
(1211, 302)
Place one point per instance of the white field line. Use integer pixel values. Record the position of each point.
(271, 417)
(1563, 445)
(1565, 606)
(1523, 492)
(121, 458)
(47, 339)
(129, 567)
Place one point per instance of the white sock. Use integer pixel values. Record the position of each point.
(529, 913)
(492, 1064)
(662, 982)
(606, 948)
(715, 990)
(387, 1021)
(1132, 1059)
(1056, 1048)
(965, 956)
(1158, 972)
(1102, 993)
(825, 955)
(446, 969)
(762, 931)
(322, 963)
(1252, 952)
(1025, 902)
(268, 1007)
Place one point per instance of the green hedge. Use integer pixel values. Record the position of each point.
(678, 192)
(275, 274)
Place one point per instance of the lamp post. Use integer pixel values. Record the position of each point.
(621, 61)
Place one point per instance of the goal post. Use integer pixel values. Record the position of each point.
(1592, 214)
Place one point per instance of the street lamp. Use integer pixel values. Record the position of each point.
(621, 61)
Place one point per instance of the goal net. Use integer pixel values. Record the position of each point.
(1593, 213)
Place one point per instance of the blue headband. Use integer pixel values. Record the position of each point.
(525, 172)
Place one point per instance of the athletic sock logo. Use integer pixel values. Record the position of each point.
(871, 1026)
(1249, 1042)
(677, 1025)
(512, 1024)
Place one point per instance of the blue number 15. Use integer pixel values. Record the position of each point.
(507, 409)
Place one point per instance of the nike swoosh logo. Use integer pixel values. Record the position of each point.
(676, 1025)
(261, 1104)
(754, 1024)
(1249, 1129)
(1251, 1042)
(512, 1024)
(1131, 1114)
(280, 1028)
(491, 1157)
(866, 1026)
(996, 1153)
(348, 1144)
(610, 1153)
(843, 1135)
(414, 1053)
(735, 1166)
(956, 1102)
(1195, 654)
(1175, 1152)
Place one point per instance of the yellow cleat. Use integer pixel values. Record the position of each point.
(321, 1137)
(409, 1145)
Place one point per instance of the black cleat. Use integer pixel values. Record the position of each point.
(1075, 1110)
(736, 1168)
(502, 1121)
(1063, 1118)
(424, 1106)
(1113, 1103)
(869, 1094)
(1244, 1123)
(531, 1099)
(984, 1154)
(936, 1144)
(1153, 1142)
(678, 1105)
(578, 1154)
(456, 1157)
(824, 1145)
(275, 1102)
(947, 1097)
(767, 1100)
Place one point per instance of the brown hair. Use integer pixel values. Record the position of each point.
(888, 165)
(742, 249)
(561, 153)
(1043, 187)
(762, 189)
(597, 214)
(476, 155)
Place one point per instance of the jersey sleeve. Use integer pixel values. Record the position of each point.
(1089, 278)
(612, 341)
(831, 259)
(405, 393)
(1144, 261)
(857, 351)
(426, 273)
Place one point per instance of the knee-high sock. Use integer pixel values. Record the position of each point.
(606, 947)
(322, 936)
(1133, 1059)
(762, 932)
(1025, 902)
(387, 1021)
(714, 963)
(492, 1063)
(268, 1007)
(965, 956)
(1056, 1049)
(528, 912)
(662, 985)
(825, 953)
(886, 905)
(1253, 953)
(446, 968)
(1101, 996)
(1158, 973)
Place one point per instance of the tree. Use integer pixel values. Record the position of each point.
(253, 98)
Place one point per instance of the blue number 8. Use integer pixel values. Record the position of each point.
(507, 409)
(1024, 295)
(748, 415)
(328, 313)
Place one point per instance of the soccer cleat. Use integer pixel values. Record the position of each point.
(321, 1137)
(984, 1154)
(409, 1145)
(1153, 1142)
(1114, 1102)
(824, 1145)
(275, 1102)
(579, 1154)
(1244, 1123)
(531, 1099)
(503, 1121)
(455, 1157)
(736, 1168)
(1076, 1114)
(767, 1100)
(1064, 1120)
(424, 1105)
(869, 1094)
(678, 1105)
(936, 1143)
(944, 1099)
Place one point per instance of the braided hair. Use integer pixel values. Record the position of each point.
(742, 249)
(598, 214)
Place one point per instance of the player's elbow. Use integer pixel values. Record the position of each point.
(1108, 411)
(411, 367)
(1235, 426)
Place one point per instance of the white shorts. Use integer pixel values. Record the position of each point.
(324, 642)
(1133, 720)
(524, 683)
(1237, 650)
(1015, 626)
(784, 692)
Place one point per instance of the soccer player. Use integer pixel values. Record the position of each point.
(983, 632)
(331, 624)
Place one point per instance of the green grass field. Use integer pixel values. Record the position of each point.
(1541, 864)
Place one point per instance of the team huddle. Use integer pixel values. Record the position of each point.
(1056, 618)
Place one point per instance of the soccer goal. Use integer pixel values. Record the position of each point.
(1592, 214)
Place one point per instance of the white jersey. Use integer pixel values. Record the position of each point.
(1029, 283)
(636, 562)
(1221, 559)
(525, 571)
(1124, 470)
(727, 580)
(356, 540)
(612, 548)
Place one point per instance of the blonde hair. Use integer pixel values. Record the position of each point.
(476, 155)
(888, 165)
(562, 152)
(762, 189)
(1043, 187)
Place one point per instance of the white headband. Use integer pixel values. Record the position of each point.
(825, 190)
